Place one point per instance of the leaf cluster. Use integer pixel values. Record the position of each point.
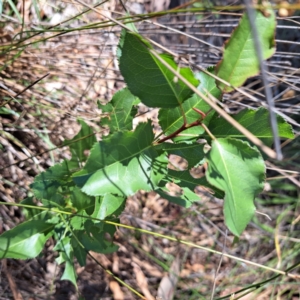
(80, 195)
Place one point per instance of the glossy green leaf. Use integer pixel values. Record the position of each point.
(240, 59)
(107, 205)
(26, 240)
(122, 164)
(119, 112)
(77, 221)
(237, 169)
(256, 121)
(193, 153)
(69, 271)
(66, 255)
(171, 120)
(147, 78)
(82, 141)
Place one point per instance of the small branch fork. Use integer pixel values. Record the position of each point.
(186, 126)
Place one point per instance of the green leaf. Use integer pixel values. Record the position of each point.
(240, 59)
(47, 186)
(147, 78)
(171, 120)
(48, 192)
(130, 24)
(237, 169)
(77, 221)
(185, 180)
(186, 199)
(79, 252)
(26, 240)
(256, 121)
(60, 172)
(81, 200)
(122, 164)
(107, 205)
(82, 141)
(66, 255)
(69, 272)
(119, 112)
(193, 153)
(95, 240)
(30, 212)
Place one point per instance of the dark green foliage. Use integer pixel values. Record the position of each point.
(81, 195)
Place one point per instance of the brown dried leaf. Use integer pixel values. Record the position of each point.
(167, 287)
(142, 282)
(151, 269)
(116, 290)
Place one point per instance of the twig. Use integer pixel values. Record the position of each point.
(12, 284)
(285, 174)
(263, 69)
(256, 141)
(25, 89)
(218, 269)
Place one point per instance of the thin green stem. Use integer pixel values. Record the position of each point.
(204, 248)
(37, 207)
(98, 263)
(117, 278)
(190, 244)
